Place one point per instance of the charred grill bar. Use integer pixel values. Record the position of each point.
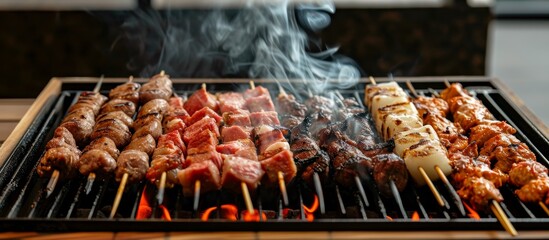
(24, 205)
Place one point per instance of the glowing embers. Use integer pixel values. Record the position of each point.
(145, 209)
(226, 211)
(471, 212)
(415, 216)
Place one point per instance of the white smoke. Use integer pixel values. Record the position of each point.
(259, 40)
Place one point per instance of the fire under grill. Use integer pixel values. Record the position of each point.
(24, 205)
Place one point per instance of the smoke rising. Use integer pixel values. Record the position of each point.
(267, 40)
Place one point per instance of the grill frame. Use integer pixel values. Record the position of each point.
(49, 103)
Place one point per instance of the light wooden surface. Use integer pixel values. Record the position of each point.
(54, 87)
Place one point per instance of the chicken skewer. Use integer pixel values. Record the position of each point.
(396, 117)
(434, 113)
(509, 155)
(79, 128)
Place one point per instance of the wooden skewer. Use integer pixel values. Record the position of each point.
(161, 188)
(500, 215)
(52, 183)
(544, 207)
(431, 186)
(196, 199)
(282, 185)
(281, 182)
(162, 73)
(450, 188)
(447, 83)
(119, 193)
(89, 183)
(440, 173)
(247, 198)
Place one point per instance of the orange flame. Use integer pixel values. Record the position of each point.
(415, 216)
(165, 213)
(228, 211)
(309, 211)
(389, 218)
(253, 217)
(472, 213)
(144, 211)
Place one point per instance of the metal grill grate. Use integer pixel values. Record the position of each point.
(23, 205)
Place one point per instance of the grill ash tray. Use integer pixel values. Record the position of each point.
(25, 207)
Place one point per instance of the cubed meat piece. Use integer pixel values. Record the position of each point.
(144, 144)
(240, 118)
(163, 163)
(255, 92)
(273, 149)
(176, 102)
(260, 103)
(202, 148)
(200, 99)
(264, 118)
(168, 148)
(231, 102)
(206, 123)
(205, 137)
(173, 137)
(200, 114)
(206, 172)
(211, 156)
(175, 124)
(266, 139)
(281, 162)
(237, 170)
(244, 148)
(133, 162)
(233, 133)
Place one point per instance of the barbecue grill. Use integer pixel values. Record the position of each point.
(24, 205)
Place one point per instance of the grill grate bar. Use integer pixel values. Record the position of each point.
(75, 202)
(340, 201)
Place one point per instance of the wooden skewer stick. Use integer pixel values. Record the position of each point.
(282, 185)
(89, 183)
(440, 173)
(502, 218)
(372, 80)
(431, 186)
(119, 193)
(162, 73)
(161, 188)
(281, 182)
(52, 183)
(196, 198)
(447, 83)
(544, 207)
(450, 188)
(247, 198)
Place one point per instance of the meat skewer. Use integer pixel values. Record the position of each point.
(396, 117)
(133, 162)
(78, 123)
(280, 174)
(302, 145)
(435, 113)
(499, 146)
(110, 132)
(392, 166)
